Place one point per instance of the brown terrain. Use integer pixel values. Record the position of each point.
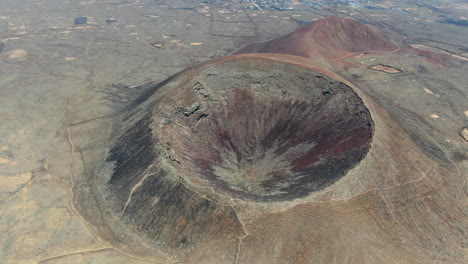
(384, 68)
(134, 139)
(331, 38)
(269, 157)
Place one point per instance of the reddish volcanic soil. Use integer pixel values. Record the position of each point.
(329, 38)
(384, 68)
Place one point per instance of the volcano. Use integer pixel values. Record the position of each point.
(329, 38)
(267, 157)
(263, 130)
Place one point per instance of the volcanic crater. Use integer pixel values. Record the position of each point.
(262, 130)
(267, 158)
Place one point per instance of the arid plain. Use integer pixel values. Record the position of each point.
(68, 89)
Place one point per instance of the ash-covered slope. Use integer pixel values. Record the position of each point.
(329, 38)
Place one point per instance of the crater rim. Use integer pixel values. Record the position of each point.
(269, 167)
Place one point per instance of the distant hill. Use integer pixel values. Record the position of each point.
(328, 38)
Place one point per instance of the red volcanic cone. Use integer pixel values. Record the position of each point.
(328, 38)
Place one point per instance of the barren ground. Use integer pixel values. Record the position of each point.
(56, 78)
